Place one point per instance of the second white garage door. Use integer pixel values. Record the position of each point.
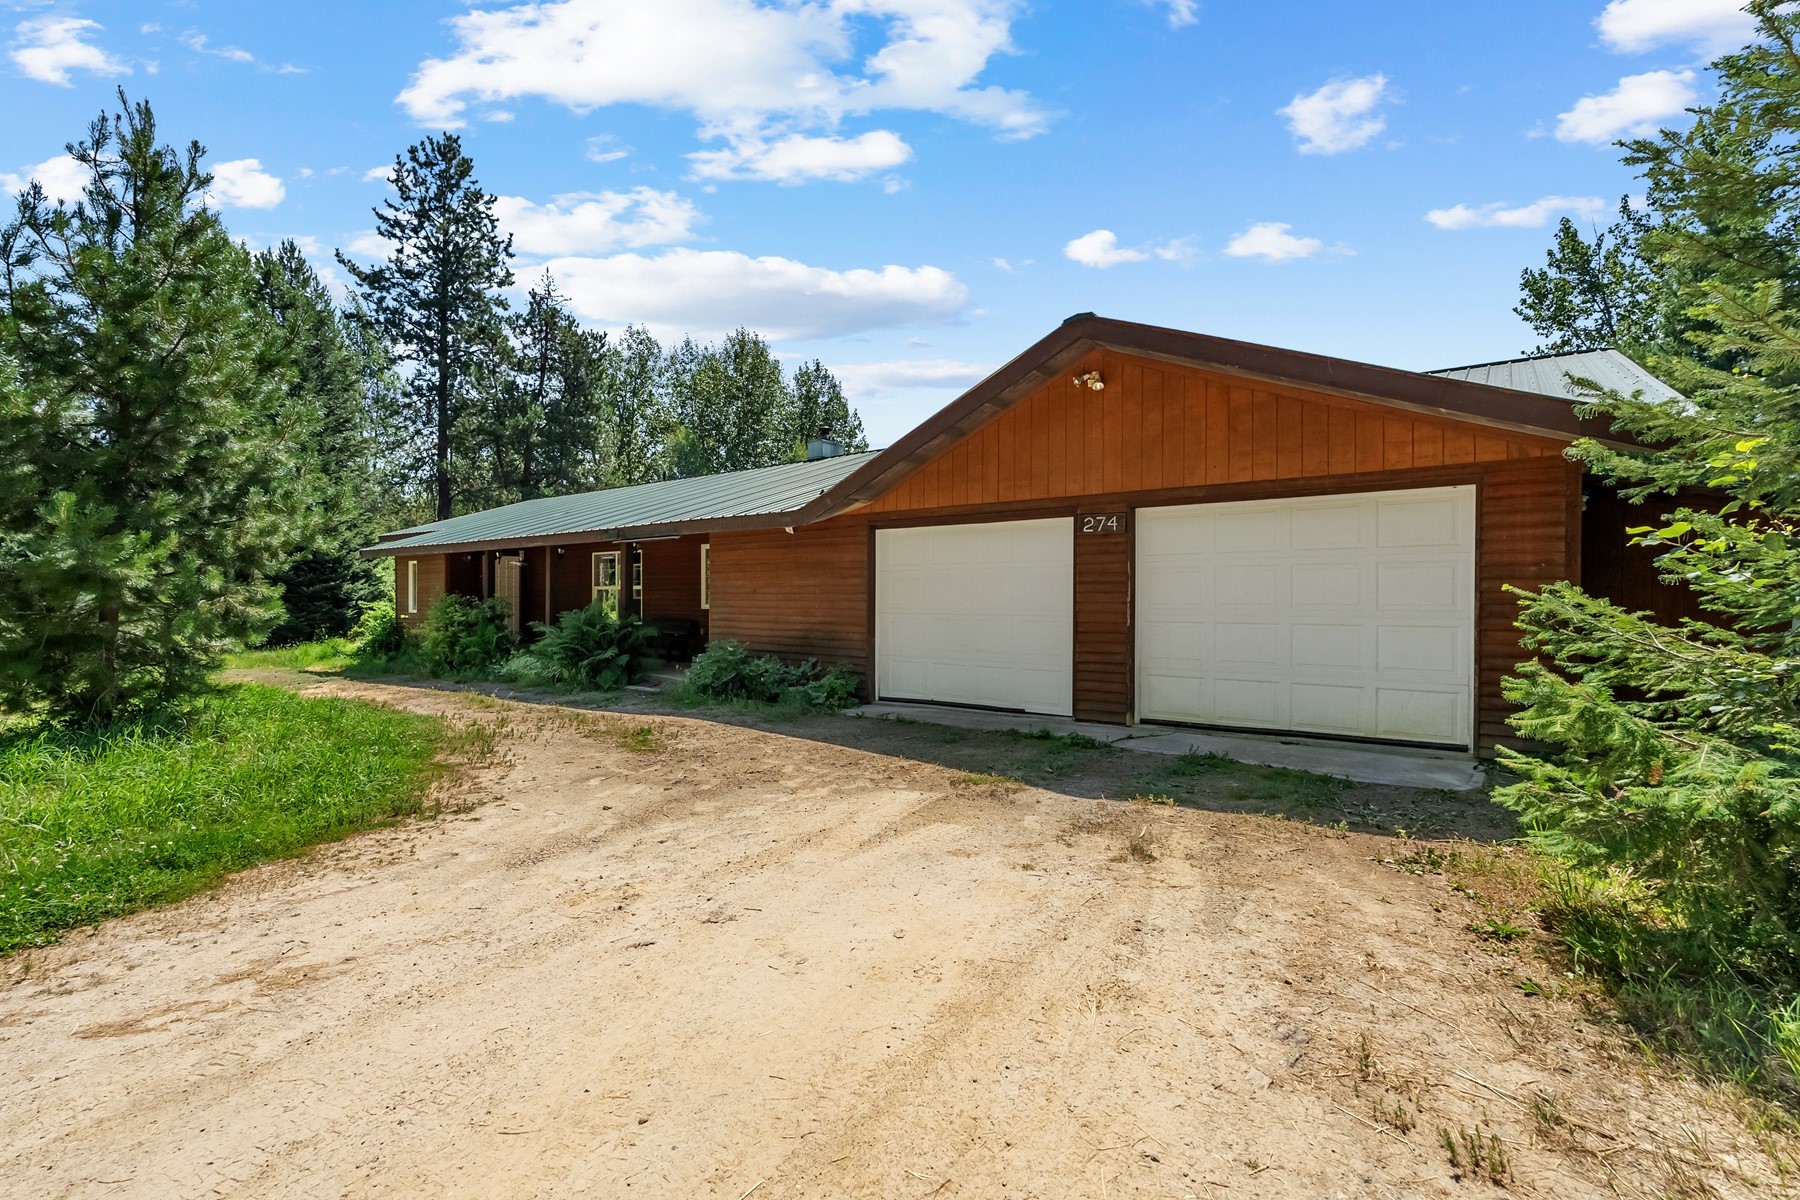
(1351, 615)
(977, 614)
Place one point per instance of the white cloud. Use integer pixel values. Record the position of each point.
(605, 148)
(48, 48)
(596, 222)
(864, 379)
(62, 178)
(378, 174)
(748, 71)
(1101, 249)
(1713, 26)
(1271, 242)
(1524, 216)
(367, 243)
(708, 293)
(1633, 109)
(799, 157)
(1181, 250)
(242, 183)
(1339, 116)
(197, 43)
(1181, 12)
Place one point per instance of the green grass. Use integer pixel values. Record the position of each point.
(332, 654)
(1194, 777)
(93, 825)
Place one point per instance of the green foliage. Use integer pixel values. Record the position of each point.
(149, 479)
(1670, 787)
(591, 648)
(1592, 295)
(464, 636)
(548, 427)
(324, 583)
(327, 654)
(728, 671)
(97, 824)
(438, 300)
(381, 634)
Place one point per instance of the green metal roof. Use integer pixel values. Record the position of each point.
(1548, 375)
(645, 509)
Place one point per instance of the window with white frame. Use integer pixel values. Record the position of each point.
(412, 585)
(706, 575)
(606, 577)
(637, 582)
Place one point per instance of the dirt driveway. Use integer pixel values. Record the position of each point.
(709, 960)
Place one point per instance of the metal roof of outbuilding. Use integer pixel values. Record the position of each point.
(1549, 375)
(617, 513)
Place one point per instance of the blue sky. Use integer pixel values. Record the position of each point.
(916, 190)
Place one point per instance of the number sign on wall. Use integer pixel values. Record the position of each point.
(1101, 523)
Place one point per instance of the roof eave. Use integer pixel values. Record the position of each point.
(1503, 409)
(631, 533)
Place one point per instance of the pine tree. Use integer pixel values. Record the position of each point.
(1675, 774)
(438, 299)
(546, 432)
(149, 481)
(325, 584)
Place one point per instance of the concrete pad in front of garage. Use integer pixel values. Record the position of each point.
(1397, 766)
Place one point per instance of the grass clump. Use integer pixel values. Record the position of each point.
(728, 673)
(94, 824)
(328, 654)
(1218, 776)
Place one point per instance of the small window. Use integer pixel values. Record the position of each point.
(412, 585)
(606, 578)
(637, 583)
(706, 575)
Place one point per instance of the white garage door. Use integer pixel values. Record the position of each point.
(977, 614)
(1350, 615)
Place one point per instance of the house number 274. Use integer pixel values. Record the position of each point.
(1103, 523)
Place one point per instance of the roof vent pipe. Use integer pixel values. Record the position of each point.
(824, 446)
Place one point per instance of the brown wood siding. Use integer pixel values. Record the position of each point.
(799, 595)
(431, 585)
(1157, 426)
(1103, 658)
(1529, 535)
(672, 581)
(1626, 574)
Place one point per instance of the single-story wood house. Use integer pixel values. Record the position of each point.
(1124, 524)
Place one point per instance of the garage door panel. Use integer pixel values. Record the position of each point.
(1438, 650)
(977, 614)
(1326, 527)
(1328, 647)
(1349, 615)
(1418, 523)
(1329, 708)
(1239, 644)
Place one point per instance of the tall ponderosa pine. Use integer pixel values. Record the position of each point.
(438, 296)
(546, 431)
(1676, 776)
(325, 583)
(148, 482)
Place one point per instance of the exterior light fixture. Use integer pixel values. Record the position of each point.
(1091, 380)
